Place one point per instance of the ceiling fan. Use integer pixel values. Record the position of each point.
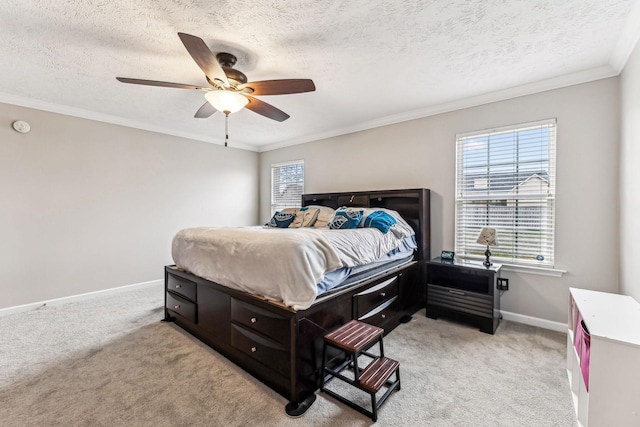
(228, 90)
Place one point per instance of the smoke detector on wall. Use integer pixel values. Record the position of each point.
(21, 126)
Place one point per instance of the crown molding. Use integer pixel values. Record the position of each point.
(106, 118)
(629, 36)
(566, 80)
(474, 101)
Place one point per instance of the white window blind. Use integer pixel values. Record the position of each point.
(505, 179)
(287, 185)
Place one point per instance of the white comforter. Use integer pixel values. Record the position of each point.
(281, 264)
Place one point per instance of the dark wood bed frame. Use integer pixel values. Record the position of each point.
(282, 347)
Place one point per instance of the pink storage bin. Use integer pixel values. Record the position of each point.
(577, 336)
(585, 354)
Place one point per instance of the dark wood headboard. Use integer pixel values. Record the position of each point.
(413, 205)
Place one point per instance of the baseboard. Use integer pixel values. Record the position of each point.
(506, 315)
(79, 297)
(534, 321)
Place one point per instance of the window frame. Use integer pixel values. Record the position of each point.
(499, 206)
(295, 198)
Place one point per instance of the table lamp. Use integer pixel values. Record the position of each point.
(487, 237)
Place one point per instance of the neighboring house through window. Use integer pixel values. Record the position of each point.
(287, 185)
(505, 179)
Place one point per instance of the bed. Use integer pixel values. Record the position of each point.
(279, 343)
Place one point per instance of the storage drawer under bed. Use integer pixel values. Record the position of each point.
(265, 322)
(368, 300)
(184, 287)
(268, 352)
(182, 307)
(381, 314)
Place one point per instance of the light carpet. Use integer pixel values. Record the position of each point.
(109, 361)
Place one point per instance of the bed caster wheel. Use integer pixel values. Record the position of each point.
(297, 409)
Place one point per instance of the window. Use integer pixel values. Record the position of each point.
(287, 185)
(505, 179)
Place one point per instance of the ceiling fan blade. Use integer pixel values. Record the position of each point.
(266, 110)
(280, 87)
(205, 111)
(159, 83)
(203, 56)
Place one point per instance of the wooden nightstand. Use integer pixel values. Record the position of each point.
(464, 289)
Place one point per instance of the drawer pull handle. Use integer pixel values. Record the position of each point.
(253, 349)
(254, 320)
(178, 286)
(177, 306)
(384, 316)
(383, 294)
(451, 291)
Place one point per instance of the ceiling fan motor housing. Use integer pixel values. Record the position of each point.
(227, 61)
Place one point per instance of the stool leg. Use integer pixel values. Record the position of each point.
(374, 408)
(323, 364)
(356, 371)
(381, 347)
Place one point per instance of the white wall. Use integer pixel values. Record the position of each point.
(630, 177)
(87, 206)
(421, 153)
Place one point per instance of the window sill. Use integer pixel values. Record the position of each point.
(543, 271)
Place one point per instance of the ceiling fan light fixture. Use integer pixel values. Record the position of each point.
(226, 101)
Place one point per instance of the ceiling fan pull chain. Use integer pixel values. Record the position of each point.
(226, 128)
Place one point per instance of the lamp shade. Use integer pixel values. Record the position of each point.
(487, 237)
(226, 100)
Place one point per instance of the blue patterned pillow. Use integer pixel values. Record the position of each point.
(282, 220)
(380, 220)
(345, 219)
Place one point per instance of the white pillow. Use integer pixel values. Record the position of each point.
(304, 218)
(325, 214)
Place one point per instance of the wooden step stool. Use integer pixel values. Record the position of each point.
(355, 338)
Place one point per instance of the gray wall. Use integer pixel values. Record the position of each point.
(421, 153)
(87, 206)
(83, 203)
(630, 177)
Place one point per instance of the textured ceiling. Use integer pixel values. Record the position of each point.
(373, 62)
